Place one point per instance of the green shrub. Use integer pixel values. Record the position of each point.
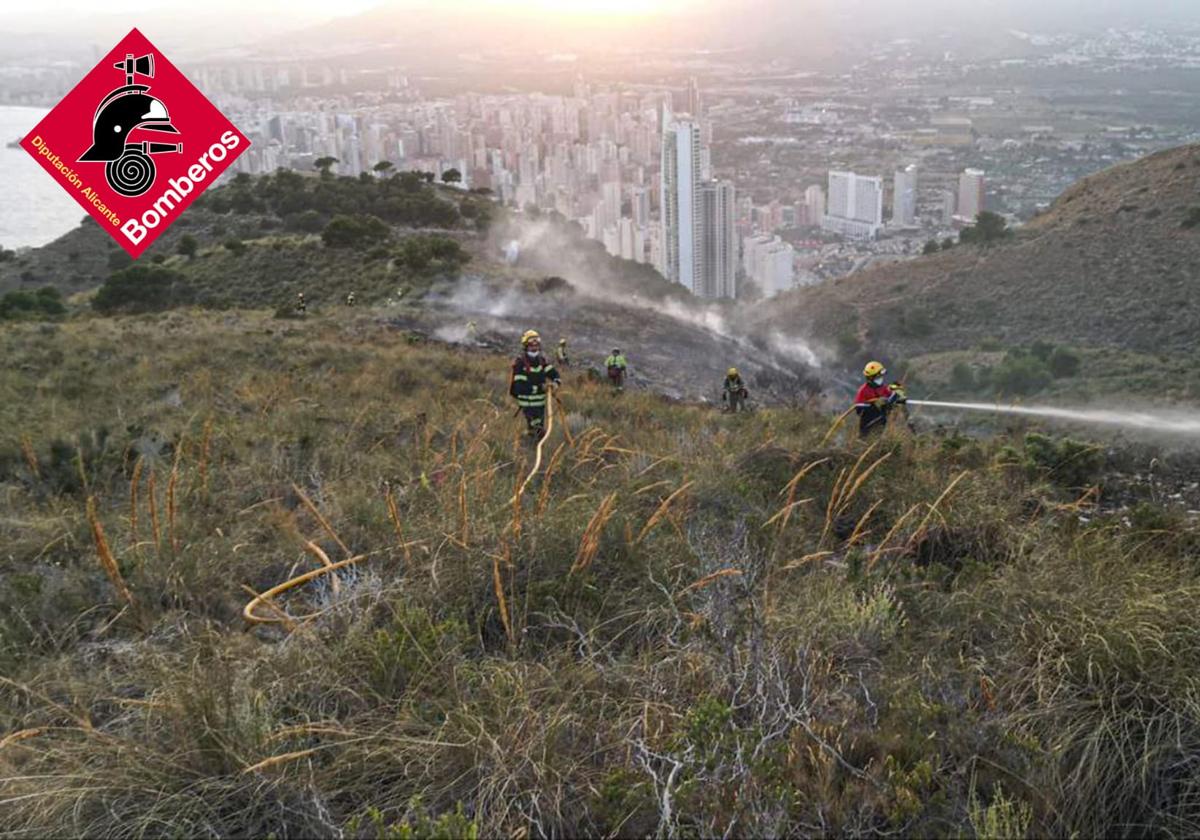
(354, 231)
(1063, 363)
(962, 377)
(142, 288)
(119, 259)
(1068, 462)
(1019, 374)
(44, 303)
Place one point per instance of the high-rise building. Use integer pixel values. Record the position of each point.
(640, 202)
(770, 263)
(718, 241)
(970, 194)
(904, 197)
(855, 207)
(814, 205)
(631, 241)
(699, 244)
(949, 204)
(680, 202)
(694, 104)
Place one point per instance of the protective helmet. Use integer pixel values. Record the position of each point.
(528, 336)
(616, 351)
(731, 372)
(874, 369)
(562, 341)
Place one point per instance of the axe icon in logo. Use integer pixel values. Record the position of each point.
(128, 167)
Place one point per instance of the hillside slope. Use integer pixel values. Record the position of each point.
(1114, 263)
(434, 264)
(692, 624)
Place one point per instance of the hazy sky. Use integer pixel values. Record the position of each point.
(319, 9)
(201, 27)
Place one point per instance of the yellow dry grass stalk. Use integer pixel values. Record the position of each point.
(171, 534)
(807, 558)
(30, 457)
(107, 562)
(858, 532)
(785, 513)
(248, 612)
(661, 512)
(848, 497)
(133, 500)
(79, 465)
(790, 487)
(325, 727)
(274, 760)
(1088, 500)
(589, 543)
(152, 492)
(837, 424)
(308, 503)
(586, 441)
(654, 464)
(21, 735)
(515, 501)
(887, 537)
(464, 521)
(394, 515)
(498, 586)
(920, 532)
(847, 486)
(205, 443)
(555, 460)
(654, 486)
(566, 427)
(707, 579)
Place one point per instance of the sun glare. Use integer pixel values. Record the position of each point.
(590, 9)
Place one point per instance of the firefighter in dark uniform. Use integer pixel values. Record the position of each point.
(529, 382)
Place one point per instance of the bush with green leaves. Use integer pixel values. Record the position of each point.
(962, 377)
(1064, 461)
(1020, 374)
(142, 288)
(989, 228)
(1063, 363)
(354, 231)
(44, 303)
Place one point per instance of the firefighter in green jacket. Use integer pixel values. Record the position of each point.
(530, 381)
(616, 364)
(734, 391)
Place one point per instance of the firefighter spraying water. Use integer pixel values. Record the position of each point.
(875, 402)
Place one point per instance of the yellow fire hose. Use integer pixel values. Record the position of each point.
(265, 598)
(537, 461)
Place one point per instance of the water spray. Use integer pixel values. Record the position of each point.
(1166, 423)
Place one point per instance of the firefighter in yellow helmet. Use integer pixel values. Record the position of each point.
(734, 391)
(875, 400)
(529, 381)
(560, 354)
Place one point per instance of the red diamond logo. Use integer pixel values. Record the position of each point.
(134, 142)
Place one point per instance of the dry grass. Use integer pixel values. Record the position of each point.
(599, 659)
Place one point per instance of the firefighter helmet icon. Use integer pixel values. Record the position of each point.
(128, 167)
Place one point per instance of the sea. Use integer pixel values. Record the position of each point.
(34, 209)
